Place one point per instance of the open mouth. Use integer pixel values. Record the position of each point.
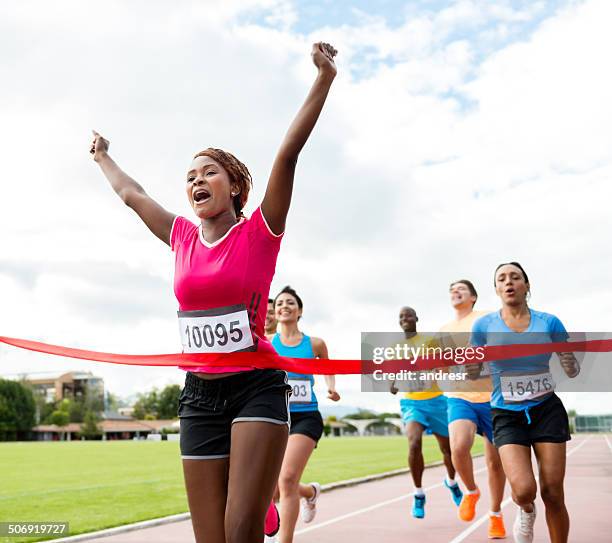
(200, 196)
(510, 291)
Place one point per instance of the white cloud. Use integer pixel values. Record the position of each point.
(432, 162)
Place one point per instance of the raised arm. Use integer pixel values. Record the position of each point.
(276, 201)
(157, 219)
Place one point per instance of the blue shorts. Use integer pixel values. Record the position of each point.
(478, 413)
(429, 413)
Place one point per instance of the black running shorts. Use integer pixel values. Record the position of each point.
(549, 424)
(307, 423)
(209, 407)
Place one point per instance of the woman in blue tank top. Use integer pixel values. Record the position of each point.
(306, 421)
(526, 412)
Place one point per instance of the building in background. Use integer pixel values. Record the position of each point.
(593, 423)
(74, 385)
(110, 429)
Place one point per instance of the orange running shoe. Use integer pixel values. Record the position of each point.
(467, 507)
(497, 530)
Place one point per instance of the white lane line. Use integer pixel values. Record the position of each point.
(370, 508)
(608, 442)
(477, 524)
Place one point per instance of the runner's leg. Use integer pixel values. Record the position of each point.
(299, 449)
(255, 460)
(206, 485)
(496, 475)
(414, 432)
(461, 433)
(551, 464)
(444, 444)
(516, 461)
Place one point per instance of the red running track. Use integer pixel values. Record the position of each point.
(380, 511)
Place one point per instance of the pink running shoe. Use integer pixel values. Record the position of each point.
(272, 523)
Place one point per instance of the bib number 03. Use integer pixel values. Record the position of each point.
(222, 330)
(301, 391)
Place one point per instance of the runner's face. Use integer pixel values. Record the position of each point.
(510, 285)
(270, 317)
(286, 308)
(208, 188)
(461, 296)
(408, 319)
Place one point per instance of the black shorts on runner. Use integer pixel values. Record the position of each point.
(549, 424)
(209, 407)
(307, 423)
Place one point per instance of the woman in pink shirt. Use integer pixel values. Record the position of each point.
(234, 420)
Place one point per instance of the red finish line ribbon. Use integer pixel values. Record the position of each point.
(320, 366)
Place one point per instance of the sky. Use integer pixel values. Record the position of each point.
(457, 135)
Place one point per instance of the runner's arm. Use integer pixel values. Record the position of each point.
(277, 199)
(156, 218)
(570, 365)
(319, 349)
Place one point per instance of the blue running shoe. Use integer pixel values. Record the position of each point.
(455, 492)
(418, 507)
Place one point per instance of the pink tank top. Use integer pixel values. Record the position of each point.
(235, 270)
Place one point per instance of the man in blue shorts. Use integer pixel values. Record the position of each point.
(469, 412)
(424, 410)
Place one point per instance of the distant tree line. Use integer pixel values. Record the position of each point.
(17, 411)
(158, 404)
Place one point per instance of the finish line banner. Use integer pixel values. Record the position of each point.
(446, 362)
(379, 353)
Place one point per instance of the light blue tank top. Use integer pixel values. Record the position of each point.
(303, 396)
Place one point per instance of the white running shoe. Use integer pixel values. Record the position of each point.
(523, 526)
(308, 508)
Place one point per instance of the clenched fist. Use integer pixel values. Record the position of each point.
(323, 57)
(569, 364)
(99, 146)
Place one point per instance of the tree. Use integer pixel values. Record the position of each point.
(147, 404)
(384, 416)
(362, 414)
(17, 410)
(77, 411)
(158, 405)
(61, 416)
(114, 402)
(571, 414)
(167, 405)
(90, 428)
(61, 419)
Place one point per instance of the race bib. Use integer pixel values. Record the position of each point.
(220, 330)
(523, 387)
(301, 391)
(416, 384)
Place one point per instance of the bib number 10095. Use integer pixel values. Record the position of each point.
(223, 330)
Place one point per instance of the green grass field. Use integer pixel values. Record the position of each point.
(95, 485)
